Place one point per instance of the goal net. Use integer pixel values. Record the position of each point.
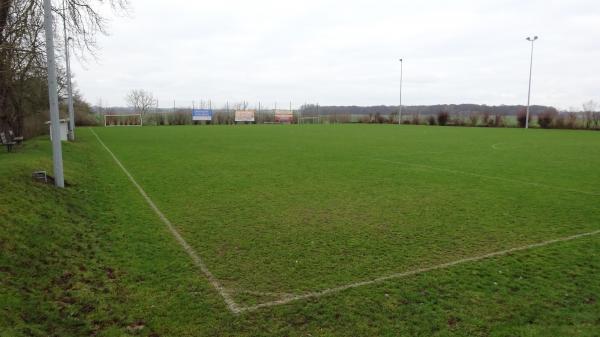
(123, 120)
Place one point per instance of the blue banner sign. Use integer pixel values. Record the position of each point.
(202, 114)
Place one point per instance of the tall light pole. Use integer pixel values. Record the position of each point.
(532, 40)
(59, 179)
(400, 107)
(71, 134)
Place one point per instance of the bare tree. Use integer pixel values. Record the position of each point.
(23, 55)
(589, 109)
(141, 100)
(591, 114)
(473, 118)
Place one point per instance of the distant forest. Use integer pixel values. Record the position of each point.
(385, 110)
(422, 110)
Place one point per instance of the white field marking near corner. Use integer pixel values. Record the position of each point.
(328, 291)
(488, 177)
(495, 146)
(233, 307)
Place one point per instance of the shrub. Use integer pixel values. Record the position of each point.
(180, 118)
(498, 121)
(431, 120)
(522, 117)
(485, 118)
(546, 118)
(416, 119)
(559, 122)
(458, 121)
(379, 118)
(473, 119)
(571, 120)
(160, 119)
(364, 119)
(442, 118)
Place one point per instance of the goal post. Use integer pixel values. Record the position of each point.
(123, 120)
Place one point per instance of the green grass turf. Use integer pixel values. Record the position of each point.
(293, 209)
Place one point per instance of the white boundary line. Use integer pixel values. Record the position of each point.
(486, 176)
(495, 146)
(328, 291)
(231, 305)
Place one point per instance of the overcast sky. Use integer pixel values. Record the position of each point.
(346, 52)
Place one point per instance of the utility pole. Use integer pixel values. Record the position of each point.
(532, 40)
(400, 107)
(59, 179)
(71, 134)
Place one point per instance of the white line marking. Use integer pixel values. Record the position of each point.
(233, 307)
(262, 293)
(495, 146)
(325, 292)
(487, 177)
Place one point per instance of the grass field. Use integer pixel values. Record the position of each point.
(277, 213)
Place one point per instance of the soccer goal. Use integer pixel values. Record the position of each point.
(123, 120)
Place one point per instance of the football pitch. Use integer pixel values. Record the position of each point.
(275, 214)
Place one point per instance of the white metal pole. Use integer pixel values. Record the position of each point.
(59, 179)
(400, 106)
(532, 40)
(71, 110)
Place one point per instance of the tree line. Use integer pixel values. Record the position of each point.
(23, 67)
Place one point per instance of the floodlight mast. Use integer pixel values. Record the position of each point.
(400, 106)
(71, 133)
(532, 40)
(59, 179)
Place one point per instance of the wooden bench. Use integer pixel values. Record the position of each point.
(6, 142)
(17, 140)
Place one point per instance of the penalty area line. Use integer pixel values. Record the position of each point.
(317, 294)
(198, 262)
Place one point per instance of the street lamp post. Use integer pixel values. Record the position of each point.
(532, 40)
(400, 106)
